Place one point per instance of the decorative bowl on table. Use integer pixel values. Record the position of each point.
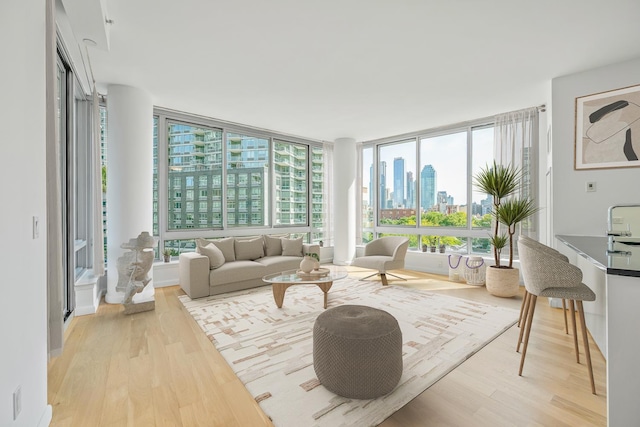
(313, 274)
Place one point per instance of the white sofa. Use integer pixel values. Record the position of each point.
(232, 264)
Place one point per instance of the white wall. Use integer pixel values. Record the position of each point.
(574, 210)
(23, 308)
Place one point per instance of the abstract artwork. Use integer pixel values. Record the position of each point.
(608, 129)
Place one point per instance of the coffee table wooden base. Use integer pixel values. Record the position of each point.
(279, 290)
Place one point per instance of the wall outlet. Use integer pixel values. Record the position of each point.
(617, 220)
(17, 402)
(591, 187)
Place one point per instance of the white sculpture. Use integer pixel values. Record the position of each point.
(133, 267)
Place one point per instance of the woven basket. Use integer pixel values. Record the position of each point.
(503, 282)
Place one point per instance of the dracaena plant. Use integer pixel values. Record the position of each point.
(501, 182)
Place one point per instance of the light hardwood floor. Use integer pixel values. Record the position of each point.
(159, 368)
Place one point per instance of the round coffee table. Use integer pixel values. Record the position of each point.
(324, 280)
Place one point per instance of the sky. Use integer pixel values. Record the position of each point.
(446, 153)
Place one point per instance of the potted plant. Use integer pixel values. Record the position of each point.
(167, 255)
(502, 182)
(433, 243)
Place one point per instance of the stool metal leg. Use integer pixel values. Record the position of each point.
(371, 275)
(383, 277)
(397, 277)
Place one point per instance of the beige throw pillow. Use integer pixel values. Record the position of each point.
(225, 245)
(272, 245)
(215, 255)
(249, 249)
(292, 247)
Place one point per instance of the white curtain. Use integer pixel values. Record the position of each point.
(96, 172)
(516, 143)
(327, 152)
(359, 186)
(55, 248)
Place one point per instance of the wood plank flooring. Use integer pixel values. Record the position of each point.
(158, 368)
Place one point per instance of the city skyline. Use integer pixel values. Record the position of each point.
(446, 154)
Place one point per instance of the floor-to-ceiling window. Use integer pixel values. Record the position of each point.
(421, 186)
(74, 142)
(213, 179)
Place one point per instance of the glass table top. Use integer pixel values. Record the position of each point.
(327, 273)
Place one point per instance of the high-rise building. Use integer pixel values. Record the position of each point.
(428, 182)
(371, 181)
(383, 185)
(398, 182)
(411, 191)
(442, 201)
(196, 187)
(487, 205)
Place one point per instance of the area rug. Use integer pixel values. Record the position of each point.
(271, 349)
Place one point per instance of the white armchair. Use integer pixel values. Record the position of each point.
(384, 254)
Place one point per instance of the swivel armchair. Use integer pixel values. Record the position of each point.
(384, 254)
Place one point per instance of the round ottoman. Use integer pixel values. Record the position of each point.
(357, 351)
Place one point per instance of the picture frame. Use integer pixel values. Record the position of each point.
(607, 132)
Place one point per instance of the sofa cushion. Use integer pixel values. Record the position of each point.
(237, 271)
(272, 245)
(225, 245)
(292, 247)
(279, 263)
(215, 255)
(249, 249)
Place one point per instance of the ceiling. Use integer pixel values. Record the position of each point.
(362, 69)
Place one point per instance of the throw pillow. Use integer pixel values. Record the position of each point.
(273, 245)
(215, 255)
(226, 247)
(292, 247)
(249, 249)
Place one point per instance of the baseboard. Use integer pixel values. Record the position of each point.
(46, 417)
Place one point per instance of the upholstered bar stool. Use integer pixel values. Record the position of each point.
(549, 276)
(526, 297)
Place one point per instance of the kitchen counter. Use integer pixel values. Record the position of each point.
(619, 263)
(616, 258)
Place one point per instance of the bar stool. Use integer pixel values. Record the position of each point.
(549, 276)
(526, 297)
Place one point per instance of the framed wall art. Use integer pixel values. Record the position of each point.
(608, 129)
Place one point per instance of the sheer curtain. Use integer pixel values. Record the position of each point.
(516, 143)
(327, 152)
(96, 193)
(359, 185)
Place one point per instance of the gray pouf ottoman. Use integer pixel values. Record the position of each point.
(357, 351)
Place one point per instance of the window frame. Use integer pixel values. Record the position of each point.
(76, 152)
(164, 116)
(418, 229)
